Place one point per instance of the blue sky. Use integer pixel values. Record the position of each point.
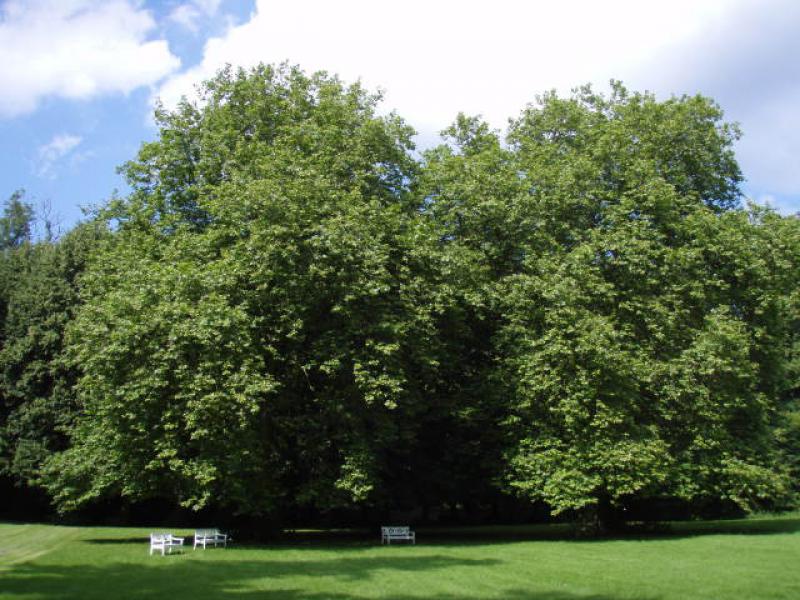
(78, 78)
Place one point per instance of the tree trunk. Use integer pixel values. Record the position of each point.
(600, 519)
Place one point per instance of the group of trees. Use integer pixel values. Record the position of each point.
(292, 309)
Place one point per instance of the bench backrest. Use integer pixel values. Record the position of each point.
(201, 533)
(395, 530)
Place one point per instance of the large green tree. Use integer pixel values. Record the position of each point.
(645, 328)
(785, 240)
(258, 332)
(638, 316)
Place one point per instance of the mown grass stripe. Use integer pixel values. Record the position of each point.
(21, 543)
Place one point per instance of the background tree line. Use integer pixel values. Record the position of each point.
(293, 313)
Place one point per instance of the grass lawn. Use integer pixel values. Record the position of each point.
(749, 559)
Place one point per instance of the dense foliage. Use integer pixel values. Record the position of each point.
(291, 310)
(39, 298)
(641, 321)
(260, 316)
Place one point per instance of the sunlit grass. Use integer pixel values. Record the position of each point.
(749, 559)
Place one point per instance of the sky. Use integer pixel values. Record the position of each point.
(79, 78)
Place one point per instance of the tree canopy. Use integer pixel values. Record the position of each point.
(292, 309)
(640, 318)
(259, 314)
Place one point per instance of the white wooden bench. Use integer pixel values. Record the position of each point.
(165, 542)
(397, 533)
(209, 536)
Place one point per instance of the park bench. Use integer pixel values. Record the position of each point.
(397, 533)
(164, 542)
(209, 536)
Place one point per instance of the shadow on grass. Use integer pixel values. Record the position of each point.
(139, 541)
(462, 536)
(442, 536)
(754, 526)
(248, 579)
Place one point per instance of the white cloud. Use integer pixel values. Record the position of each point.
(186, 15)
(435, 58)
(76, 49)
(756, 80)
(190, 14)
(51, 153)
